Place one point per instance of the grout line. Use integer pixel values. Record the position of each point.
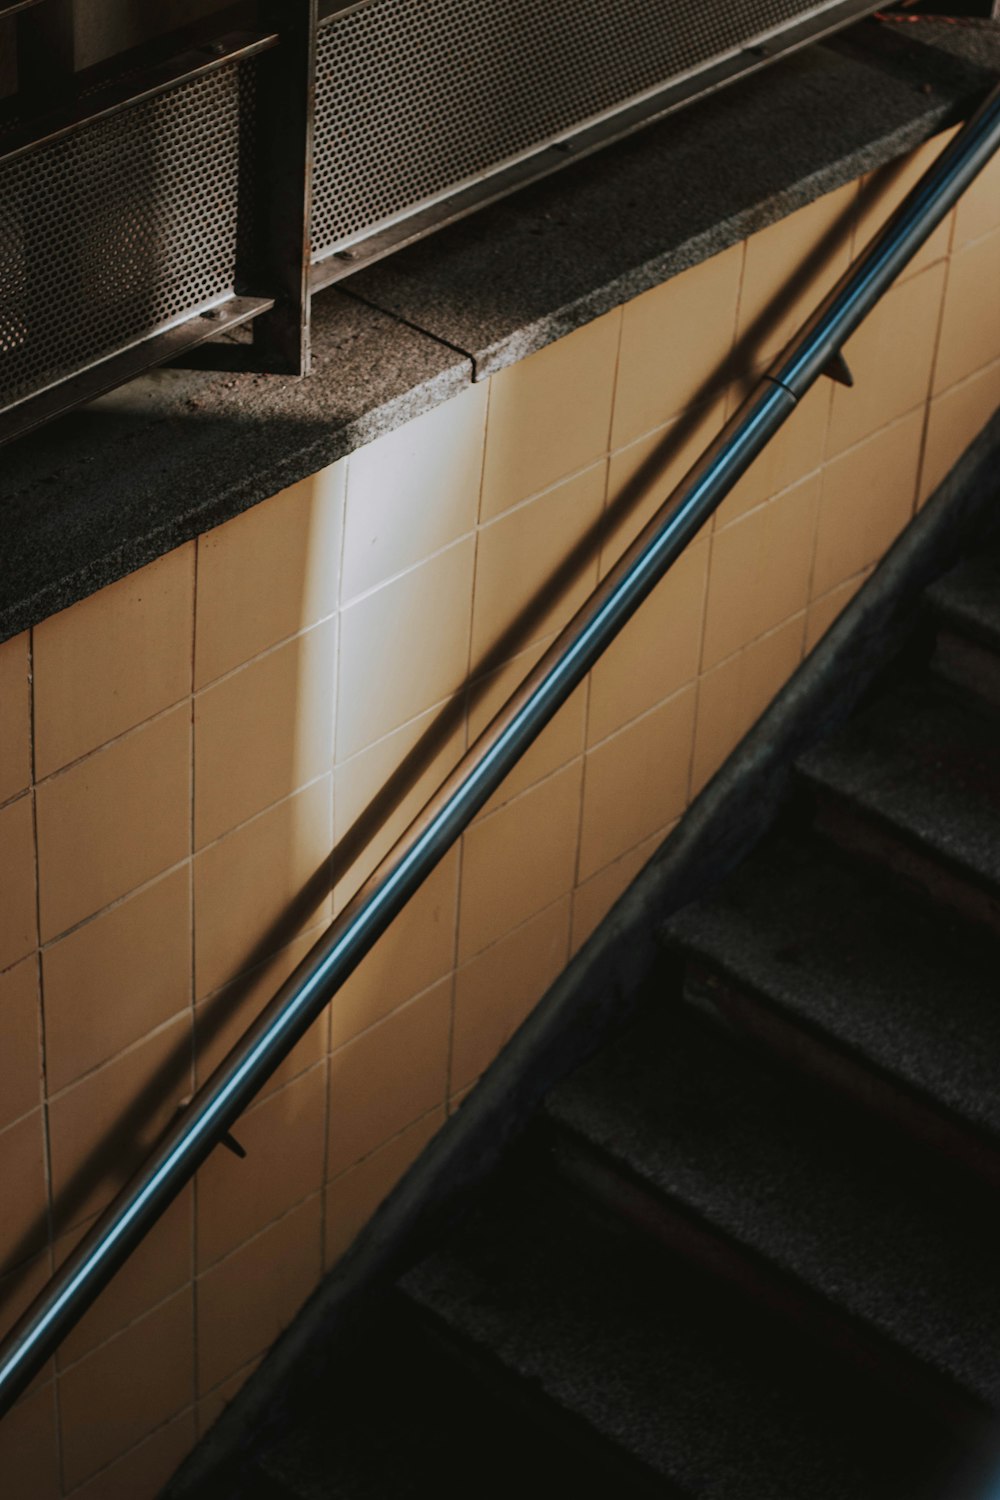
(814, 553)
(276, 646)
(388, 1142)
(189, 1410)
(925, 425)
(147, 1312)
(126, 734)
(383, 583)
(193, 972)
(158, 1030)
(49, 1248)
(259, 1232)
(334, 699)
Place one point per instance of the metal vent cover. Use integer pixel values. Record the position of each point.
(417, 99)
(120, 229)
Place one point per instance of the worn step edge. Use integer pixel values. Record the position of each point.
(968, 665)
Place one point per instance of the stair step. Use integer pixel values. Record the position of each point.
(403, 1414)
(682, 1374)
(842, 1209)
(897, 1005)
(913, 782)
(966, 607)
(967, 599)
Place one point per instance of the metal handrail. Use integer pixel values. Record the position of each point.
(814, 351)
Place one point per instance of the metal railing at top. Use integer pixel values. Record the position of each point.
(815, 351)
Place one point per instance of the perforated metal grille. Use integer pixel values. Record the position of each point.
(120, 229)
(417, 97)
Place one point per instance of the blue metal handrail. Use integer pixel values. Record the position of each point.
(814, 351)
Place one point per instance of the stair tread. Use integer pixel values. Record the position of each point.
(689, 1380)
(839, 949)
(929, 765)
(968, 597)
(839, 1204)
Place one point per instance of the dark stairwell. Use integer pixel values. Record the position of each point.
(750, 1249)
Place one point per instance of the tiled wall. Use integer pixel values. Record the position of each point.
(180, 753)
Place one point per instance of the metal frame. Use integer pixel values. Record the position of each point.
(342, 261)
(101, 94)
(288, 108)
(209, 1116)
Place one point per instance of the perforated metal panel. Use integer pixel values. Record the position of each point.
(417, 98)
(120, 229)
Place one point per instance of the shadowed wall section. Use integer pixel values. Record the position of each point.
(198, 764)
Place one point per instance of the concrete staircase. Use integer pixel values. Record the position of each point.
(751, 1250)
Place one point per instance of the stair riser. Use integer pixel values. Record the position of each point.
(921, 872)
(681, 1233)
(968, 665)
(819, 1057)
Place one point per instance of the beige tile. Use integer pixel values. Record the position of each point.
(501, 986)
(734, 694)
(18, 923)
(23, 1228)
(160, 1265)
(268, 573)
(222, 1018)
(760, 570)
(636, 782)
(247, 1299)
(356, 1194)
(379, 792)
(978, 210)
(519, 860)
(882, 191)
(15, 717)
(142, 1472)
(261, 885)
(20, 1056)
(549, 415)
(796, 450)
(970, 324)
(535, 566)
(101, 1129)
(118, 1395)
(891, 357)
(283, 1139)
(264, 732)
(29, 1449)
(676, 346)
(113, 660)
(643, 475)
(790, 266)
(594, 899)
(117, 978)
(559, 743)
(411, 639)
(212, 1406)
(390, 1076)
(953, 421)
(824, 611)
(414, 491)
(114, 820)
(658, 651)
(415, 952)
(868, 497)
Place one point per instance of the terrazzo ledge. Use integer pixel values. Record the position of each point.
(112, 486)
